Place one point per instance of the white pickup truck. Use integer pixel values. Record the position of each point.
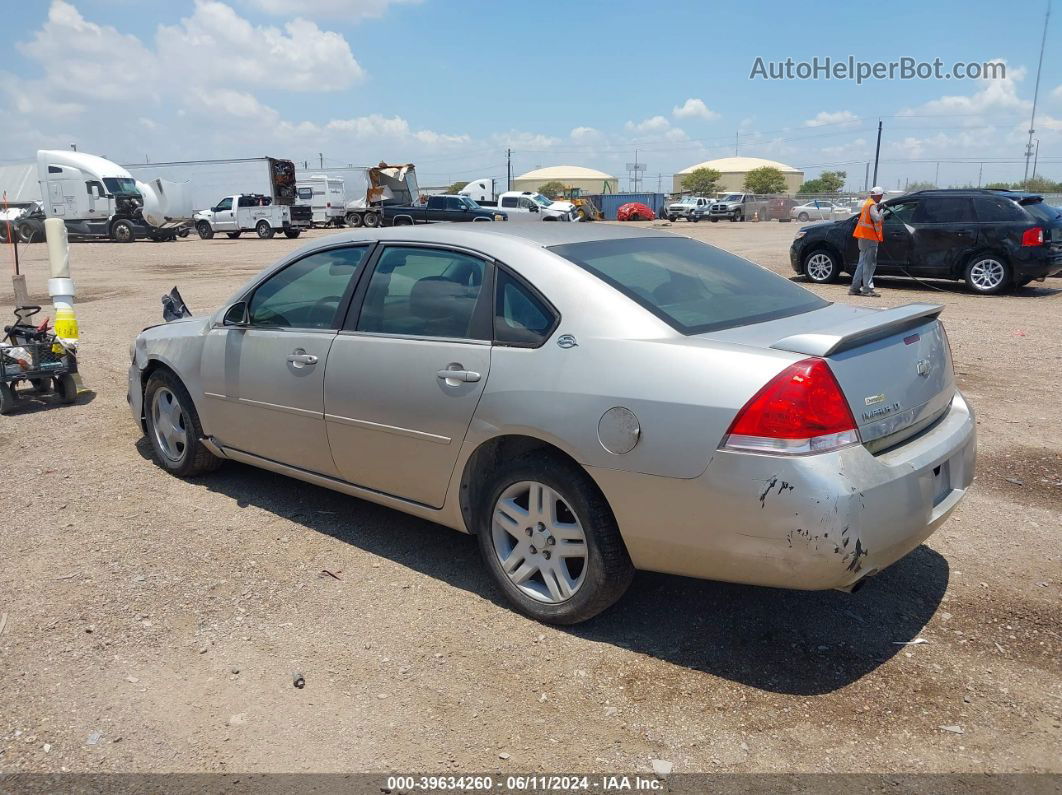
(525, 205)
(256, 213)
(686, 207)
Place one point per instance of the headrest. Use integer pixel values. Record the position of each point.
(437, 297)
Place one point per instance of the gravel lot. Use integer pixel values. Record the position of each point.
(154, 624)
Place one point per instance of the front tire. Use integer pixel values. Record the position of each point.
(803, 217)
(264, 230)
(292, 233)
(987, 274)
(122, 232)
(233, 235)
(66, 388)
(822, 267)
(550, 542)
(8, 399)
(173, 428)
(206, 232)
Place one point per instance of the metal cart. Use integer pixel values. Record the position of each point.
(32, 355)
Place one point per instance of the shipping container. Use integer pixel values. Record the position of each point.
(609, 203)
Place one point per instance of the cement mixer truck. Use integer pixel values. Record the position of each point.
(95, 198)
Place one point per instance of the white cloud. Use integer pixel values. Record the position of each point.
(86, 60)
(216, 42)
(236, 104)
(676, 134)
(525, 140)
(996, 94)
(1057, 93)
(316, 9)
(394, 128)
(585, 135)
(653, 124)
(840, 117)
(694, 108)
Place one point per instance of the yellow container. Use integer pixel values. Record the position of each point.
(65, 327)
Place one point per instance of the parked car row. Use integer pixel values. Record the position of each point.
(992, 240)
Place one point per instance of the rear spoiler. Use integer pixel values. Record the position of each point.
(860, 331)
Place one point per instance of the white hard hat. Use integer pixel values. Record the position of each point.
(877, 190)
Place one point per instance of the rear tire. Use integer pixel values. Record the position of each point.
(66, 388)
(371, 220)
(353, 220)
(592, 581)
(264, 230)
(292, 233)
(30, 231)
(987, 274)
(122, 231)
(204, 229)
(803, 217)
(173, 428)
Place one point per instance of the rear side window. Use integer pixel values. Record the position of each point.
(944, 210)
(508, 201)
(997, 208)
(520, 318)
(691, 286)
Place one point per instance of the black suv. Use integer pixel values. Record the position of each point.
(991, 239)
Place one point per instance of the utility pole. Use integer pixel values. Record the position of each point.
(877, 153)
(321, 158)
(1036, 157)
(980, 171)
(736, 132)
(866, 178)
(936, 179)
(508, 169)
(1036, 95)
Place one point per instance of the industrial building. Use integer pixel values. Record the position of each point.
(588, 180)
(734, 170)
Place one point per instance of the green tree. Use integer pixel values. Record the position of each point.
(998, 186)
(552, 189)
(767, 179)
(1041, 185)
(702, 181)
(920, 186)
(827, 182)
(456, 187)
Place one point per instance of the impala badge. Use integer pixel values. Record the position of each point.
(923, 368)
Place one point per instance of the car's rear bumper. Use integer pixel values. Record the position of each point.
(1037, 262)
(813, 522)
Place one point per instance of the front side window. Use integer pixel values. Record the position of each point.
(944, 210)
(224, 204)
(520, 318)
(121, 186)
(900, 213)
(307, 293)
(423, 292)
(691, 286)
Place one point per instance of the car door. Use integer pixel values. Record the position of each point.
(405, 374)
(894, 252)
(263, 369)
(945, 231)
(224, 216)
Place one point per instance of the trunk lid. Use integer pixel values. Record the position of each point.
(893, 365)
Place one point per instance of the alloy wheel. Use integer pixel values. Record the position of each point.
(167, 419)
(539, 542)
(819, 267)
(987, 274)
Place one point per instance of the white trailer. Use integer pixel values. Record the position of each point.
(325, 195)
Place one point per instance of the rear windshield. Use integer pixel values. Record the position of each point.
(1042, 211)
(691, 286)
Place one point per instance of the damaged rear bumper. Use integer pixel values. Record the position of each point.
(812, 522)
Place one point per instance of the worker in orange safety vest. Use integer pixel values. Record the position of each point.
(868, 233)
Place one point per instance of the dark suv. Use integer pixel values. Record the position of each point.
(990, 239)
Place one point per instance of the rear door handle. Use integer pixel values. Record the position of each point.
(301, 357)
(468, 376)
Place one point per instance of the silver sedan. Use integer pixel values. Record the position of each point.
(819, 210)
(586, 399)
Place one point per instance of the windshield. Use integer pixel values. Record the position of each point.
(1042, 211)
(732, 197)
(542, 200)
(467, 202)
(691, 286)
(121, 186)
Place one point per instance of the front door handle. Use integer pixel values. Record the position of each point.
(467, 376)
(299, 356)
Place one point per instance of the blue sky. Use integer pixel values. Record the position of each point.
(450, 84)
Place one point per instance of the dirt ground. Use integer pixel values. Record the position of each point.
(154, 624)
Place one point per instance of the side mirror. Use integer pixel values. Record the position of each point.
(236, 315)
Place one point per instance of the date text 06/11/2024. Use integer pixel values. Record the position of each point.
(523, 783)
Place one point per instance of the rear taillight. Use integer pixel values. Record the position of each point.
(801, 410)
(1033, 237)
